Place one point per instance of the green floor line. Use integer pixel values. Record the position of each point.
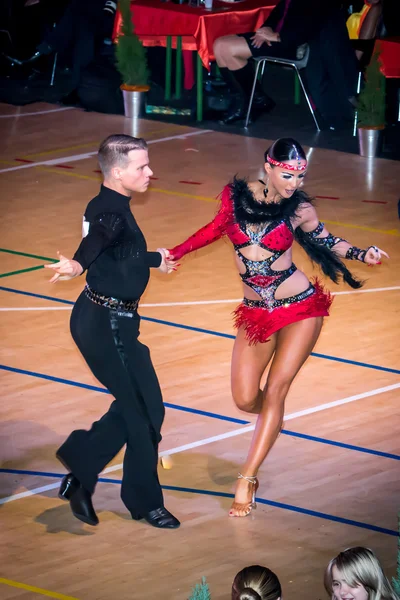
(21, 271)
(28, 255)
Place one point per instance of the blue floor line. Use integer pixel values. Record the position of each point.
(282, 505)
(214, 333)
(320, 440)
(208, 414)
(105, 391)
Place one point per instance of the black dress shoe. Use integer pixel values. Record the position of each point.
(261, 103)
(43, 50)
(12, 60)
(160, 517)
(234, 115)
(80, 500)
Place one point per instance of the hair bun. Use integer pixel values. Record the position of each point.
(249, 594)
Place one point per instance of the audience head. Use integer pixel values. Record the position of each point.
(356, 574)
(256, 583)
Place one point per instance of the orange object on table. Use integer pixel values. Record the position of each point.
(198, 26)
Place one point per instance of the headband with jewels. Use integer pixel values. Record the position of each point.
(298, 167)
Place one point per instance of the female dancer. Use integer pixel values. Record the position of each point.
(357, 573)
(280, 305)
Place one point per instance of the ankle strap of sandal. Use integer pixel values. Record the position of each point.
(250, 479)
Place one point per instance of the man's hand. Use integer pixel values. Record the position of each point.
(265, 35)
(167, 264)
(66, 268)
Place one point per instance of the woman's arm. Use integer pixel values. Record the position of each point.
(316, 231)
(208, 234)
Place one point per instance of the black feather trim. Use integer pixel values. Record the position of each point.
(248, 210)
(328, 260)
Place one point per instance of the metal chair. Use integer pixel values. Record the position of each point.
(295, 63)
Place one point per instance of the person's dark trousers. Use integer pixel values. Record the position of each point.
(332, 71)
(76, 35)
(109, 343)
(90, 12)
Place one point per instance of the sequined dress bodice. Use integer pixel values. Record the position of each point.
(276, 237)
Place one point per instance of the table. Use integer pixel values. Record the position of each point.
(389, 49)
(195, 29)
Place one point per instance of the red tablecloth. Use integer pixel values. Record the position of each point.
(160, 19)
(389, 49)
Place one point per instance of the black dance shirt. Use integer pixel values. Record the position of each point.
(114, 250)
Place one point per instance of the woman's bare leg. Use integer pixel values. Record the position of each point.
(231, 51)
(247, 368)
(294, 344)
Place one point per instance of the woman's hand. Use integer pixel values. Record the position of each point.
(373, 255)
(167, 264)
(265, 35)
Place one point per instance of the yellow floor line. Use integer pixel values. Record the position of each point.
(69, 174)
(183, 194)
(57, 150)
(394, 232)
(31, 588)
(365, 228)
(95, 143)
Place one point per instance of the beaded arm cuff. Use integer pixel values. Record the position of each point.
(355, 253)
(329, 241)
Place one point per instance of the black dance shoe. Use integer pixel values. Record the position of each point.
(160, 517)
(80, 500)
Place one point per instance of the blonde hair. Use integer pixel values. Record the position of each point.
(360, 566)
(256, 583)
(114, 151)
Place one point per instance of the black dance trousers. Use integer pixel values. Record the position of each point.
(109, 343)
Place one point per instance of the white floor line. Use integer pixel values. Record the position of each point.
(194, 302)
(39, 112)
(37, 308)
(385, 289)
(217, 438)
(76, 157)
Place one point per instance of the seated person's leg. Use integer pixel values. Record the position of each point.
(232, 54)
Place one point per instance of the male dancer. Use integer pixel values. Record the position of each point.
(105, 327)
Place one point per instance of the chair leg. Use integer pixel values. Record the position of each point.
(359, 82)
(54, 69)
(252, 95)
(308, 100)
(398, 113)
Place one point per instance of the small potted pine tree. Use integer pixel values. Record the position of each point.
(131, 63)
(201, 591)
(371, 109)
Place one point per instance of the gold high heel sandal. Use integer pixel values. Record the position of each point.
(247, 507)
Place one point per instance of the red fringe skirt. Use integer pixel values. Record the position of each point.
(260, 322)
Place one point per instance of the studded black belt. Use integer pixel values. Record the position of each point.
(112, 303)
